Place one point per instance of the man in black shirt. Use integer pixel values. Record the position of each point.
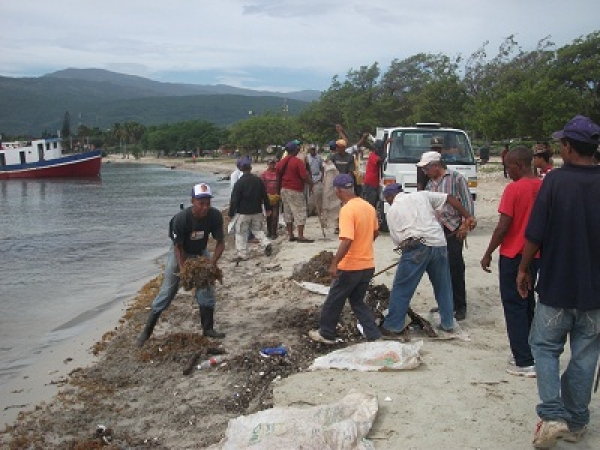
(248, 198)
(189, 230)
(563, 226)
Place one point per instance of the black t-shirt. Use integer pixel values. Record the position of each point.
(565, 222)
(343, 163)
(192, 233)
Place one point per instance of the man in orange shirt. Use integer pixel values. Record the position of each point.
(353, 265)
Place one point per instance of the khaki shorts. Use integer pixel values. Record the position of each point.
(294, 206)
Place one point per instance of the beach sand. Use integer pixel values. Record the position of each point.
(459, 398)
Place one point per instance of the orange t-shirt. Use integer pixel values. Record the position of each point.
(358, 222)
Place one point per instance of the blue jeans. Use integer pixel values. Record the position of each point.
(518, 311)
(170, 286)
(351, 285)
(567, 397)
(413, 264)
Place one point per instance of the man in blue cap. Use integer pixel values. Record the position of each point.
(564, 225)
(414, 230)
(248, 198)
(352, 266)
(189, 230)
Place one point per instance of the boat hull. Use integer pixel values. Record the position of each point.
(80, 165)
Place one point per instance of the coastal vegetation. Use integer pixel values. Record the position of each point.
(514, 94)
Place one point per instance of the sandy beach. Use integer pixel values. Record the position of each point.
(460, 397)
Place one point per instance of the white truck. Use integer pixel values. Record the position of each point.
(404, 147)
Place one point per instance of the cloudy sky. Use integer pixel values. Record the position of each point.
(268, 44)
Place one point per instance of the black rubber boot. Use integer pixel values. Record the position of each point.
(152, 319)
(207, 320)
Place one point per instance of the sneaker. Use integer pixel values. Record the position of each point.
(575, 436)
(526, 371)
(315, 335)
(548, 432)
(268, 250)
(389, 334)
(511, 361)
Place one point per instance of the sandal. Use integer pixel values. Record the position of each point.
(292, 239)
(304, 240)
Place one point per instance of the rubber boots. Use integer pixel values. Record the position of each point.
(207, 320)
(152, 319)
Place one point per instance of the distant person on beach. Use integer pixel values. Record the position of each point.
(509, 234)
(542, 159)
(293, 175)
(370, 190)
(248, 199)
(568, 308)
(314, 165)
(415, 231)
(503, 154)
(271, 181)
(352, 266)
(189, 230)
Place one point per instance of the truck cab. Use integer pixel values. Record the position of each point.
(404, 147)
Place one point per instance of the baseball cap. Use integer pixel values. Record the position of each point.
(437, 141)
(341, 143)
(392, 189)
(580, 128)
(343, 181)
(201, 190)
(291, 146)
(312, 146)
(429, 157)
(242, 162)
(331, 145)
(540, 149)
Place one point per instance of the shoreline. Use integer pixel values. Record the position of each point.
(460, 397)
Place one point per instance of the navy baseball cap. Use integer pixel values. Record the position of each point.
(344, 181)
(292, 146)
(392, 189)
(242, 162)
(580, 128)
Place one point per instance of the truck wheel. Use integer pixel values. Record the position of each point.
(383, 226)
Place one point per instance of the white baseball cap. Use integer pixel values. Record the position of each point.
(429, 157)
(201, 190)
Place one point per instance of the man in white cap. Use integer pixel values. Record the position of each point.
(189, 230)
(442, 179)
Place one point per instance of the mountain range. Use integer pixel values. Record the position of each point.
(100, 98)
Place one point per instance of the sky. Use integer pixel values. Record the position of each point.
(276, 45)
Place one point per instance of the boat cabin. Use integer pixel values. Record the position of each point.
(25, 152)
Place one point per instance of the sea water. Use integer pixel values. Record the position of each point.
(70, 249)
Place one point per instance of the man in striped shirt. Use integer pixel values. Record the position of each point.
(441, 179)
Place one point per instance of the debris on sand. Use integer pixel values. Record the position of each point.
(316, 270)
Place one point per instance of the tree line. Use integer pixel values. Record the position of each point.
(513, 93)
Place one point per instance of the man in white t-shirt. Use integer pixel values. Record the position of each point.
(415, 230)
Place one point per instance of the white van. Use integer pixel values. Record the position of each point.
(404, 147)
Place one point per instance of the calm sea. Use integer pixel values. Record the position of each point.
(70, 249)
